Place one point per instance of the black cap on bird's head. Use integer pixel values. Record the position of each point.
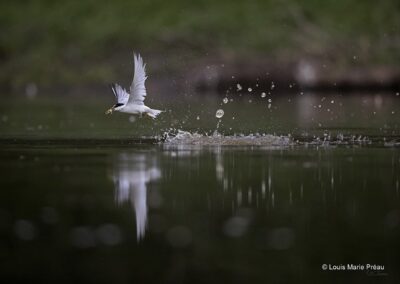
(117, 106)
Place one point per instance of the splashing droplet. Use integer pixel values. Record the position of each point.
(219, 113)
(225, 100)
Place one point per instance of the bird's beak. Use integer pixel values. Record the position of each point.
(109, 111)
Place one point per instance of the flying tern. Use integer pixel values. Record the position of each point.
(133, 101)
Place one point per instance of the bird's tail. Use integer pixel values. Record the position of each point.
(153, 113)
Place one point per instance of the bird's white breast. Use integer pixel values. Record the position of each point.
(134, 109)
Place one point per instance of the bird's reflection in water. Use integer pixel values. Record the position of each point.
(132, 174)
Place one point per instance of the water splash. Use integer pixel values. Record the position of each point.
(219, 113)
(216, 139)
(174, 137)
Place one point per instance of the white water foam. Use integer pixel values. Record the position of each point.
(187, 138)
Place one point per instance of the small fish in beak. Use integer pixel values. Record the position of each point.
(110, 111)
(114, 108)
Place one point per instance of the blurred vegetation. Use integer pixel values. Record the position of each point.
(59, 42)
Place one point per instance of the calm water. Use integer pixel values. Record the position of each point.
(81, 200)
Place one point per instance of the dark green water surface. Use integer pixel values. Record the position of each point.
(209, 215)
(85, 198)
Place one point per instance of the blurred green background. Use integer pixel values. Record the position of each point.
(56, 43)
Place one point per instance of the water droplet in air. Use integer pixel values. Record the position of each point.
(239, 87)
(198, 117)
(225, 100)
(263, 95)
(269, 100)
(219, 113)
(250, 90)
(332, 101)
(272, 85)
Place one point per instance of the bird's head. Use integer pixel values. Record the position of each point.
(115, 107)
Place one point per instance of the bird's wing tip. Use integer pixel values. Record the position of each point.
(113, 86)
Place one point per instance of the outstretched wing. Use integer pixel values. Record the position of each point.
(120, 94)
(138, 90)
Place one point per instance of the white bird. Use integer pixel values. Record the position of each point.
(133, 102)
